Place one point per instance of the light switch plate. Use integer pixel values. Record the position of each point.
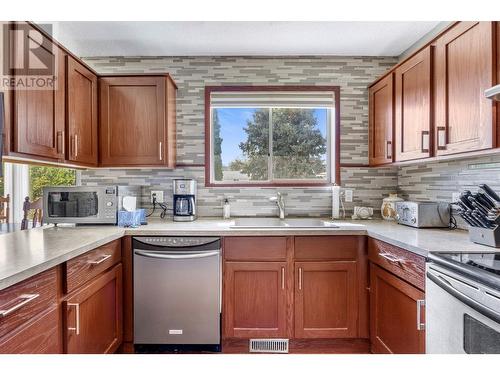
(348, 195)
(159, 196)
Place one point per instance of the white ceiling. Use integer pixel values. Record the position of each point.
(239, 38)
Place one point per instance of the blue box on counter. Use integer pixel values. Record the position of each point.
(131, 219)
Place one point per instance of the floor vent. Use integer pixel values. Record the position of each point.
(268, 345)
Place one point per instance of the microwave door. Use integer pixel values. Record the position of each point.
(73, 204)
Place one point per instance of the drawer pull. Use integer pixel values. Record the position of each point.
(420, 305)
(391, 258)
(300, 278)
(102, 260)
(77, 318)
(27, 298)
(283, 278)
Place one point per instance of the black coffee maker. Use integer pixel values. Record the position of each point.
(184, 199)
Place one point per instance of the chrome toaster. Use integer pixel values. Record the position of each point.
(423, 214)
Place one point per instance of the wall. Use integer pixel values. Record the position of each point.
(191, 74)
(439, 180)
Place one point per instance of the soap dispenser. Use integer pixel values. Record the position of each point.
(226, 209)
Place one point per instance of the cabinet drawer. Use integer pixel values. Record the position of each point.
(86, 266)
(328, 247)
(255, 248)
(39, 337)
(25, 300)
(402, 263)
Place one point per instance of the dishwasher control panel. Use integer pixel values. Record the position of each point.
(177, 241)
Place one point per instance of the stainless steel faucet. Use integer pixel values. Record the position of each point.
(280, 202)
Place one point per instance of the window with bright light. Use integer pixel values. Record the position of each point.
(272, 137)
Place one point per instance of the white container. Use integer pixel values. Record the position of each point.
(335, 202)
(226, 209)
(388, 209)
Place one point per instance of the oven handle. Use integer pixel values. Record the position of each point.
(446, 285)
(176, 255)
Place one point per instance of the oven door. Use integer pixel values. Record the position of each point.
(462, 316)
(80, 205)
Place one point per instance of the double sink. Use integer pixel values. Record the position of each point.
(266, 222)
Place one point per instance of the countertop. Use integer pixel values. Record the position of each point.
(26, 253)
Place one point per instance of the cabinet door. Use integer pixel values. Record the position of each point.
(393, 311)
(326, 300)
(463, 70)
(132, 121)
(381, 118)
(413, 107)
(93, 315)
(255, 299)
(82, 113)
(39, 115)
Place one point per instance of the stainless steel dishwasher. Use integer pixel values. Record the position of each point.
(177, 290)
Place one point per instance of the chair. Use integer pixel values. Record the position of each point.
(36, 207)
(4, 209)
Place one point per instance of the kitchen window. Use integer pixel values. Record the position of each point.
(272, 136)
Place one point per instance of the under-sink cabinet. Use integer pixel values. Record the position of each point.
(295, 287)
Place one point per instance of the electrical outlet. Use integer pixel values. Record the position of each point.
(348, 195)
(159, 196)
(455, 197)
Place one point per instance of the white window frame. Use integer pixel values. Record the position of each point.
(16, 182)
(331, 151)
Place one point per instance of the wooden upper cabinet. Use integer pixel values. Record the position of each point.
(464, 58)
(255, 299)
(93, 315)
(81, 114)
(413, 81)
(39, 115)
(326, 300)
(393, 314)
(137, 121)
(381, 119)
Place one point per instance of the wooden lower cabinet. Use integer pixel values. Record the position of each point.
(393, 314)
(42, 336)
(326, 300)
(93, 315)
(255, 299)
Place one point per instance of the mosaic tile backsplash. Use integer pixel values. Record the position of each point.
(192, 74)
(437, 181)
(429, 181)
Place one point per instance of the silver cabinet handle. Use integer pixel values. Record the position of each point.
(77, 318)
(26, 298)
(176, 255)
(441, 138)
(300, 278)
(420, 325)
(76, 145)
(103, 259)
(60, 142)
(424, 147)
(391, 258)
(161, 150)
(389, 150)
(282, 277)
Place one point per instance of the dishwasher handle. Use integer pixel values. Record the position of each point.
(175, 255)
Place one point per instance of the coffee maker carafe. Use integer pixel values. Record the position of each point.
(184, 199)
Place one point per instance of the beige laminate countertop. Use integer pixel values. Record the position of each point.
(26, 253)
